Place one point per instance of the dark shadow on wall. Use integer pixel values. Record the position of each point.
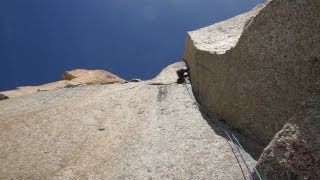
(219, 126)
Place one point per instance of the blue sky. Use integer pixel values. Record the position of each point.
(40, 39)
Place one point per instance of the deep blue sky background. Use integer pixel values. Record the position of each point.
(40, 39)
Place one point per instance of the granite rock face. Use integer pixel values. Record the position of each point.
(136, 130)
(70, 79)
(3, 97)
(255, 69)
(168, 75)
(84, 76)
(294, 153)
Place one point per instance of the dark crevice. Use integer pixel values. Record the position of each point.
(220, 125)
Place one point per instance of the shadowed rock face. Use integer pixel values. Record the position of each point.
(259, 71)
(294, 152)
(3, 97)
(255, 71)
(135, 130)
(70, 79)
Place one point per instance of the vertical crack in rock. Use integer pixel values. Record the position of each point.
(162, 94)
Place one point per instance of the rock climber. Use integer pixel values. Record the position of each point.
(182, 74)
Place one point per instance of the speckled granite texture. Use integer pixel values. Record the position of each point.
(119, 131)
(256, 80)
(256, 71)
(294, 153)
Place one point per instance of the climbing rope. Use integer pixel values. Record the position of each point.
(246, 165)
(254, 168)
(187, 81)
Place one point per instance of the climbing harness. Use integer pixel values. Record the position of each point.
(200, 108)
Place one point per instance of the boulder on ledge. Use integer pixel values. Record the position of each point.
(70, 79)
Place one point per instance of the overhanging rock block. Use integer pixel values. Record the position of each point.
(258, 70)
(255, 69)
